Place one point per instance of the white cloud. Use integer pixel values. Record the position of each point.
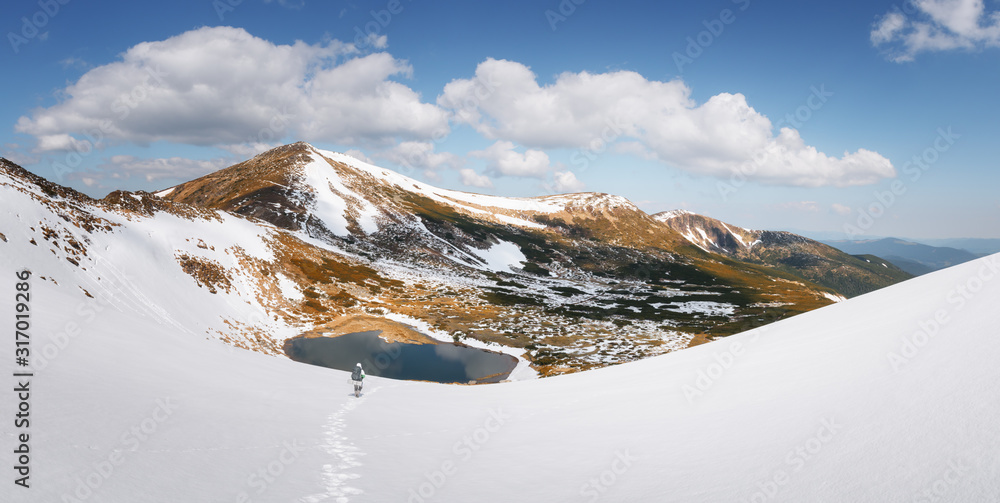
(377, 41)
(472, 179)
(502, 159)
(419, 155)
(887, 27)
(222, 86)
(841, 209)
(566, 181)
(61, 143)
(165, 168)
(936, 25)
(125, 167)
(648, 118)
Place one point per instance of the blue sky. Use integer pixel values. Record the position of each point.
(857, 118)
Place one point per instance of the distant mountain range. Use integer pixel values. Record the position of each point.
(914, 258)
(978, 246)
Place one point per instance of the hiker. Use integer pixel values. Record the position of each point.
(357, 376)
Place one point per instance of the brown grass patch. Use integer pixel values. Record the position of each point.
(393, 331)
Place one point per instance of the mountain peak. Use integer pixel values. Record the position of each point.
(49, 189)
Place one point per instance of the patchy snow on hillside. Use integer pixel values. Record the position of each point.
(502, 256)
(707, 308)
(331, 205)
(668, 215)
(449, 197)
(289, 288)
(834, 297)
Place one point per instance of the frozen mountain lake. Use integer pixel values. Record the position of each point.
(442, 362)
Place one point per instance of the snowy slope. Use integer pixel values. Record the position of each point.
(130, 261)
(879, 398)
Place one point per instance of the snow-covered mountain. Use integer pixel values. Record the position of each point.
(823, 264)
(883, 398)
(301, 241)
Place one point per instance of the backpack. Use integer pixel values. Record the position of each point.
(356, 375)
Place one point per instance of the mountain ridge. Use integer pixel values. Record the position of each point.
(915, 258)
(810, 259)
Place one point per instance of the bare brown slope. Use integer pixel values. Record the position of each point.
(258, 187)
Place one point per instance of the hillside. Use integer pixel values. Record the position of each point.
(811, 260)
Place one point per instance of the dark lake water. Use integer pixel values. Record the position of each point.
(443, 362)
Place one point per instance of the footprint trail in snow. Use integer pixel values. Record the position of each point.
(338, 474)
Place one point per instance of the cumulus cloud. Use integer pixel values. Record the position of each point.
(125, 167)
(935, 25)
(472, 179)
(221, 86)
(654, 119)
(420, 155)
(503, 159)
(566, 181)
(61, 143)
